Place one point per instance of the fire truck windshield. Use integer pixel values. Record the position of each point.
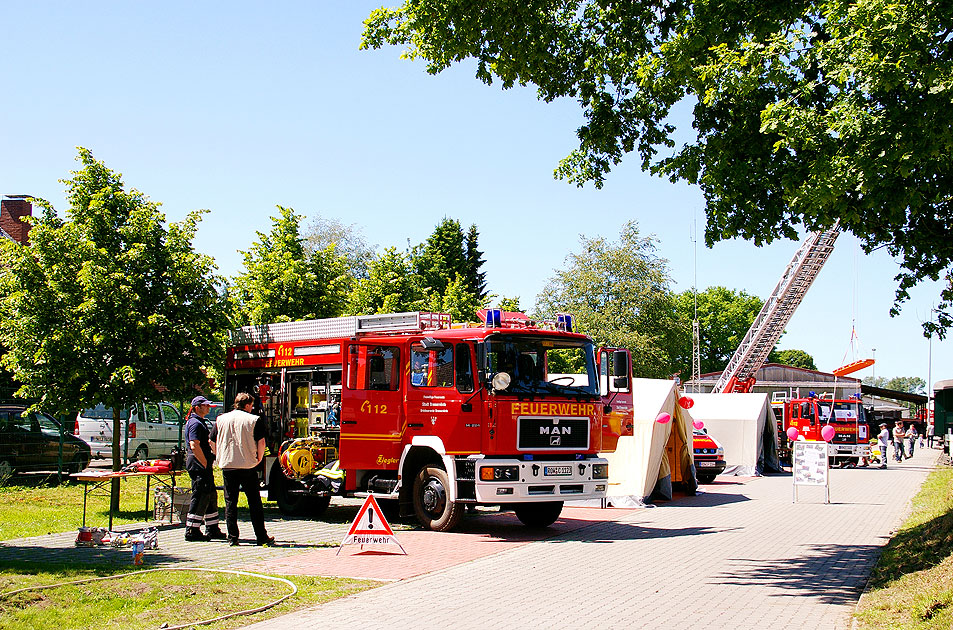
(542, 365)
(843, 411)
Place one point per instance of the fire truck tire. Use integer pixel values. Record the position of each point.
(538, 515)
(706, 478)
(292, 504)
(431, 506)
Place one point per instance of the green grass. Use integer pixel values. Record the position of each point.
(912, 586)
(148, 600)
(37, 506)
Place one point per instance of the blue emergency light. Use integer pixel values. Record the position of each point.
(494, 317)
(564, 321)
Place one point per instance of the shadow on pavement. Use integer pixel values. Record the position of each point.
(832, 574)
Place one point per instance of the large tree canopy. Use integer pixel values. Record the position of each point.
(281, 282)
(805, 111)
(107, 303)
(618, 291)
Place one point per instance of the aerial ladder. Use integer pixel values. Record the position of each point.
(767, 327)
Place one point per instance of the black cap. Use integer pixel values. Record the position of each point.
(200, 400)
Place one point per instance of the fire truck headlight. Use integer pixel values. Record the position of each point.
(720, 452)
(499, 473)
(501, 380)
(600, 471)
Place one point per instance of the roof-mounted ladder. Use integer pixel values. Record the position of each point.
(334, 327)
(767, 327)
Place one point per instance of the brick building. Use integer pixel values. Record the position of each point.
(12, 208)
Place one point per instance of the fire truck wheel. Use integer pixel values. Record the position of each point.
(538, 514)
(292, 503)
(431, 506)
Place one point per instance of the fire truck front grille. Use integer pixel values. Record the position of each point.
(553, 433)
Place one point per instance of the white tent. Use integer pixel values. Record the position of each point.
(640, 464)
(745, 426)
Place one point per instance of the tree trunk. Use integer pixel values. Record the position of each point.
(117, 463)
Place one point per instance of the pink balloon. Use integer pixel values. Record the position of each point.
(827, 433)
(686, 403)
(698, 424)
(792, 433)
(663, 418)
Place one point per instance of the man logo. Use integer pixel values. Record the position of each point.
(554, 440)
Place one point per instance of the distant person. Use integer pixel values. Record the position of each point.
(238, 440)
(203, 507)
(911, 439)
(931, 428)
(898, 437)
(883, 441)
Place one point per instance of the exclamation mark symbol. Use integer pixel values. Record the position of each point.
(370, 518)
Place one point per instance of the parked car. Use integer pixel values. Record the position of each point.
(30, 441)
(213, 413)
(153, 428)
(709, 456)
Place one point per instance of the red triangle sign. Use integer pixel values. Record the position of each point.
(370, 527)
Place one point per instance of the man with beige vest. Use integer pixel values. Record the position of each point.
(238, 441)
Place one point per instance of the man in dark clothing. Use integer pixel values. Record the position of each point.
(198, 462)
(238, 440)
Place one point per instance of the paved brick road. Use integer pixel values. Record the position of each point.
(742, 555)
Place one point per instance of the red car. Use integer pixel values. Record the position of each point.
(709, 456)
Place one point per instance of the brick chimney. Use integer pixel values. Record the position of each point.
(12, 207)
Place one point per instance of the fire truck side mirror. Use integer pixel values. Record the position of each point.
(620, 363)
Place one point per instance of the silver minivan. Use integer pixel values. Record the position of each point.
(153, 429)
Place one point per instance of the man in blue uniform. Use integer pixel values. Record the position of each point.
(203, 508)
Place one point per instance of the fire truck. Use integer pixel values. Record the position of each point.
(433, 416)
(810, 415)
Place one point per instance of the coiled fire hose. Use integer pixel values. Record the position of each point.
(250, 611)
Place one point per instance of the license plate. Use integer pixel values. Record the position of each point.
(706, 464)
(557, 471)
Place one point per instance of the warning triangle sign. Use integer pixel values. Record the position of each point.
(370, 527)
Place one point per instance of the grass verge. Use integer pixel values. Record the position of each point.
(147, 601)
(911, 587)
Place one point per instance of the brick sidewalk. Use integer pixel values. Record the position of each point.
(741, 555)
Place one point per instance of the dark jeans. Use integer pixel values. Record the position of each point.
(203, 507)
(245, 480)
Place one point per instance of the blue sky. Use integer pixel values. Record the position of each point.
(236, 107)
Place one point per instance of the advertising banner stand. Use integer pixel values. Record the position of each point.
(810, 467)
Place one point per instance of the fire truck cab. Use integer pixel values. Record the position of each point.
(434, 416)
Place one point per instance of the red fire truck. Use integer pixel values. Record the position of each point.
(434, 416)
(810, 415)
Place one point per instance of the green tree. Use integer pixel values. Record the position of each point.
(106, 303)
(908, 384)
(803, 113)
(511, 304)
(794, 358)
(281, 283)
(724, 317)
(618, 292)
(390, 287)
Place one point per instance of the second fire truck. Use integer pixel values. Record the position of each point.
(810, 415)
(432, 416)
